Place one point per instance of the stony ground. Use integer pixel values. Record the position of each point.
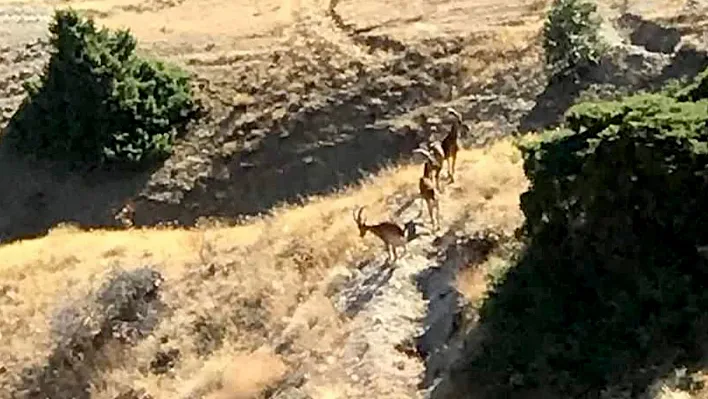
(306, 97)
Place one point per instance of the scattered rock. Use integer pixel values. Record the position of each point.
(164, 361)
(229, 148)
(133, 393)
(336, 282)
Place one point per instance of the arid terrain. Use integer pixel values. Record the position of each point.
(264, 288)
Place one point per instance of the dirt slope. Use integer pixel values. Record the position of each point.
(276, 284)
(306, 97)
(305, 101)
(300, 105)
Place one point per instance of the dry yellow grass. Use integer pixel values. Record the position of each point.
(281, 261)
(189, 26)
(472, 283)
(248, 375)
(274, 259)
(487, 59)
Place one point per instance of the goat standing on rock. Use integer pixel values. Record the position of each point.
(390, 233)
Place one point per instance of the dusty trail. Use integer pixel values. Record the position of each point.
(386, 312)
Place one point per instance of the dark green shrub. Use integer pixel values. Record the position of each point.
(97, 102)
(696, 90)
(673, 87)
(611, 281)
(571, 40)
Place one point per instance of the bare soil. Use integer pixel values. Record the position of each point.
(303, 101)
(306, 98)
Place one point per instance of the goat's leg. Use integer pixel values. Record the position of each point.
(449, 167)
(454, 165)
(453, 159)
(437, 213)
(388, 254)
(429, 204)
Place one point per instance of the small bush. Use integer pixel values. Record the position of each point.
(611, 281)
(97, 102)
(126, 308)
(571, 38)
(673, 87)
(696, 90)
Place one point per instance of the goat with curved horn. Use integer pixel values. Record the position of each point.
(433, 164)
(390, 233)
(427, 186)
(451, 143)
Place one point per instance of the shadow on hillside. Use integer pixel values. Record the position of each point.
(40, 195)
(687, 63)
(573, 316)
(446, 305)
(325, 149)
(623, 70)
(43, 189)
(317, 148)
(649, 34)
(312, 149)
(547, 331)
(551, 104)
(359, 291)
(625, 73)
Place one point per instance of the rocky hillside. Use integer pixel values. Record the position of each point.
(314, 108)
(335, 97)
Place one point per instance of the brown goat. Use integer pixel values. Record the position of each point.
(451, 144)
(429, 192)
(390, 233)
(434, 161)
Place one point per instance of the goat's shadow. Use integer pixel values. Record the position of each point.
(360, 290)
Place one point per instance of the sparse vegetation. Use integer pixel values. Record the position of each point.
(98, 102)
(227, 304)
(694, 91)
(611, 282)
(571, 39)
(604, 286)
(125, 309)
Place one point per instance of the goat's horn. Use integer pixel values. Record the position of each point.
(455, 113)
(426, 153)
(358, 214)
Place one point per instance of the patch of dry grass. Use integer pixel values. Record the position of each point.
(240, 376)
(240, 281)
(472, 284)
